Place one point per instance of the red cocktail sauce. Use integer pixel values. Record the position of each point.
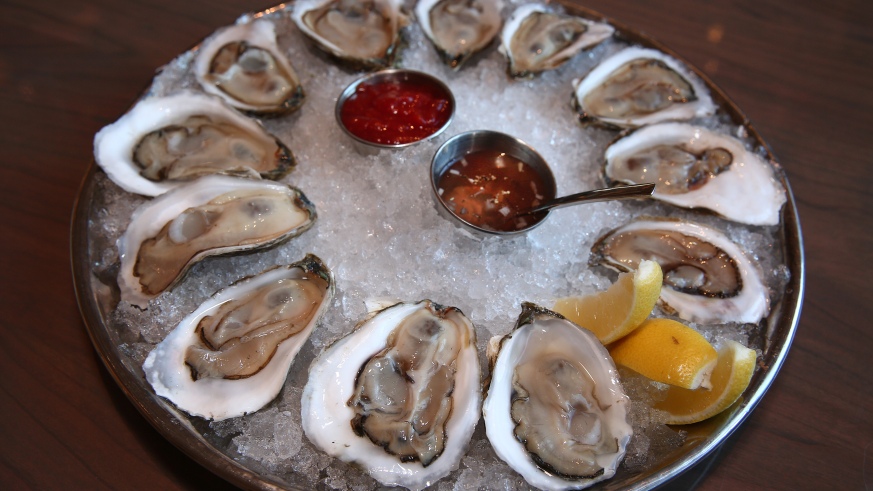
(396, 112)
(488, 188)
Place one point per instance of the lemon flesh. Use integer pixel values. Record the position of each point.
(731, 376)
(669, 352)
(615, 312)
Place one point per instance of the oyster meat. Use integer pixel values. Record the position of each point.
(555, 410)
(640, 86)
(230, 357)
(163, 142)
(243, 65)
(707, 277)
(212, 215)
(695, 167)
(459, 28)
(399, 396)
(538, 38)
(361, 32)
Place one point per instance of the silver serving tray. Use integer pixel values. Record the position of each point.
(96, 302)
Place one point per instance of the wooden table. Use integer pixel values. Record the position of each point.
(800, 69)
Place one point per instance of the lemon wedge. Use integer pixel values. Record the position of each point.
(613, 313)
(731, 376)
(669, 352)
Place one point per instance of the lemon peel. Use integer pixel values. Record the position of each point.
(617, 311)
(731, 377)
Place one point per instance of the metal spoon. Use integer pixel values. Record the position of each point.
(633, 191)
(471, 142)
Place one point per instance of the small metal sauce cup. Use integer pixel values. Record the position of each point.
(473, 141)
(367, 147)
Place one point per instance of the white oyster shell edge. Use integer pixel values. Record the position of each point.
(703, 106)
(491, 22)
(749, 306)
(219, 399)
(747, 192)
(301, 7)
(326, 415)
(597, 31)
(114, 144)
(150, 218)
(258, 32)
(499, 425)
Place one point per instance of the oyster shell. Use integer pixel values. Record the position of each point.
(639, 86)
(707, 277)
(361, 32)
(399, 395)
(230, 357)
(163, 142)
(695, 167)
(212, 215)
(536, 38)
(555, 410)
(243, 65)
(459, 28)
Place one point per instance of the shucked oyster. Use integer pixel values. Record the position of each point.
(555, 410)
(243, 65)
(212, 215)
(163, 142)
(362, 32)
(230, 357)
(639, 86)
(399, 395)
(537, 38)
(694, 167)
(459, 28)
(707, 277)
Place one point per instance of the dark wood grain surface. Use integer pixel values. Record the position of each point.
(801, 70)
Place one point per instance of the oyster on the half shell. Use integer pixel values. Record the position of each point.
(459, 28)
(707, 277)
(210, 216)
(697, 168)
(399, 395)
(243, 65)
(536, 38)
(231, 356)
(360, 32)
(639, 86)
(555, 410)
(163, 142)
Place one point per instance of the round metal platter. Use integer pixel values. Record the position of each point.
(97, 299)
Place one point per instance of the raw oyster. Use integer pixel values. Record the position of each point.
(639, 86)
(555, 410)
(694, 167)
(707, 277)
(230, 357)
(361, 32)
(212, 215)
(243, 65)
(163, 142)
(537, 38)
(399, 396)
(459, 28)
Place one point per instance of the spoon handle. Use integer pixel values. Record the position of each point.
(632, 191)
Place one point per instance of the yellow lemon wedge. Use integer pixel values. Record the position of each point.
(667, 351)
(613, 313)
(731, 376)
